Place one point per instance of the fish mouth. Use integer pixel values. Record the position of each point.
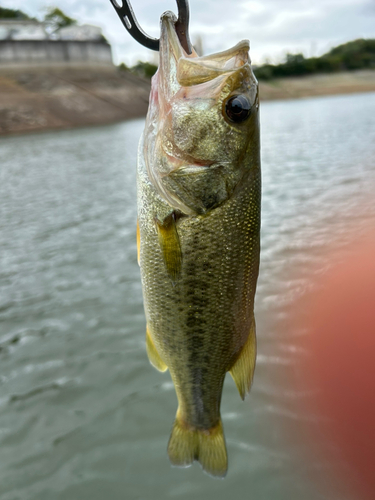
(192, 69)
(195, 168)
(226, 60)
(183, 164)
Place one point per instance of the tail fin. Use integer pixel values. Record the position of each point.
(187, 444)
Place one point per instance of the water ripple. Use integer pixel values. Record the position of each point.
(83, 415)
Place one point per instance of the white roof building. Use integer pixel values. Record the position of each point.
(13, 29)
(86, 32)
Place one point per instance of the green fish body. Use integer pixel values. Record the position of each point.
(199, 194)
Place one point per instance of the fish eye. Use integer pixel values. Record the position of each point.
(238, 108)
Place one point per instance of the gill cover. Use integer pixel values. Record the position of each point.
(195, 154)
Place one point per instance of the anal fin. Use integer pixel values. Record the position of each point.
(153, 355)
(243, 369)
(169, 242)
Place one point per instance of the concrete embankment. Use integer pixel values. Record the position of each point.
(32, 100)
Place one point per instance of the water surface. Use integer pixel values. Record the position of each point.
(83, 415)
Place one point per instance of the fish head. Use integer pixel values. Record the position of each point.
(202, 128)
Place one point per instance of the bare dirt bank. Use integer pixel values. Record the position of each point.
(33, 100)
(318, 85)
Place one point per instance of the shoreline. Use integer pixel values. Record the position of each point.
(349, 82)
(61, 99)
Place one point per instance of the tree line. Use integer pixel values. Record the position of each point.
(54, 17)
(358, 54)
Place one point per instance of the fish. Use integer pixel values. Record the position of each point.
(198, 234)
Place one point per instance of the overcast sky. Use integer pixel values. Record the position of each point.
(273, 27)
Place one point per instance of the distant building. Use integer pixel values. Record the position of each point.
(75, 32)
(12, 29)
(27, 43)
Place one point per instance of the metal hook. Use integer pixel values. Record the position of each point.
(130, 22)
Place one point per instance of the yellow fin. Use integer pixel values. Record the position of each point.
(138, 244)
(243, 369)
(187, 444)
(170, 245)
(153, 355)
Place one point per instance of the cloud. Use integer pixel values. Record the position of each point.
(273, 27)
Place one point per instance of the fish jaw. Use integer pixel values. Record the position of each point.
(187, 127)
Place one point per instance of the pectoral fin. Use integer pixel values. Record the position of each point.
(170, 245)
(153, 355)
(243, 369)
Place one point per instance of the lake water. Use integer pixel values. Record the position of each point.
(83, 415)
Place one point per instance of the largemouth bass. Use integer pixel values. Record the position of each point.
(199, 189)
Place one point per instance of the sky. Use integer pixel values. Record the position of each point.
(274, 27)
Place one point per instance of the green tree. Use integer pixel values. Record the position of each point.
(294, 59)
(264, 72)
(144, 69)
(122, 67)
(358, 54)
(13, 14)
(56, 19)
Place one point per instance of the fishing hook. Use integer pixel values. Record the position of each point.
(128, 19)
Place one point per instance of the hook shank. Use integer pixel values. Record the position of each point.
(128, 19)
